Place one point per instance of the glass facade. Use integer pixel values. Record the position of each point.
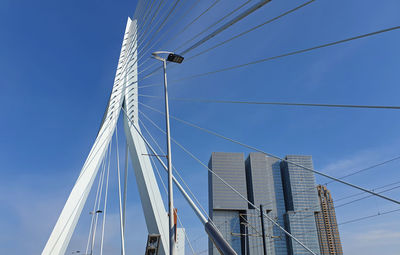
(264, 187)
(287, 193)
(225, 206)
(301, 201)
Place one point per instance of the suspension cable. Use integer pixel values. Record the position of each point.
(199, 100)
(273, 156)
(176, 170)
(281, 55)
(244, 198)
(250, 30)
(166, 191)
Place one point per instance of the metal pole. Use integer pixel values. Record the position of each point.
(170, 187)
(263, 229)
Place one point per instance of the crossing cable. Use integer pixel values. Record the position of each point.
(351, 174)
(281, 55)
(250, 30)
(166, 33)
(127, 57)
(176, 170)
(311, 215)
(273, 156)
(166, 191)
(307, 209)
(147, 11)
(159, 26)
(119, 196)
(228, 24)
(222, 28)
(203, 31)
(105, 200)
(149, 47)
(244, 198)
(199, 100)
(356, 220)
(213, 24)
(152, 18)
(361, 193)
(353, 195)
(180, 32)
(139, 9)
(193, 21)
(186, 196)
(140, 43)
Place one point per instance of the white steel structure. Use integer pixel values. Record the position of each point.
(124, 94)
(124, 98)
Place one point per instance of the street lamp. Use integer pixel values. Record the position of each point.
(175, 59)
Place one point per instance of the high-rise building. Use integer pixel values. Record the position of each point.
(328, 233)
(226, 208)
(264, 187)
(301, 200)
(288, 195)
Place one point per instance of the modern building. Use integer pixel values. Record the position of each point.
(264, 187)
(301, 200)
(288, 193)
(226, 208)
(328, 233)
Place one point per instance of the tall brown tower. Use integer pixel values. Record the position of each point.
(328, 233)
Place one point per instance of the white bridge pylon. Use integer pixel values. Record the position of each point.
(124, 94)
(124, 97)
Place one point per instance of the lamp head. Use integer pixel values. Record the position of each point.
(175, 58)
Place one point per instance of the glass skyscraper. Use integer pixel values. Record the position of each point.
(301, 200)
(264, 187)
(287, 193)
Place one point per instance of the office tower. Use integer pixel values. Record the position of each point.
(301, 200)
(264, 186)
(328, 233)
(226, 208)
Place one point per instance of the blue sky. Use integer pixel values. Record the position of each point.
(57, 65)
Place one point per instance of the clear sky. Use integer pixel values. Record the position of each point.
(57, 65)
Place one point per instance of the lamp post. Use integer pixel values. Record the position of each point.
(176, 59)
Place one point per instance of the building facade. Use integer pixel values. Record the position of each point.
(328, 233)
(301, 201)
(264, 187)
(288, 194)
(226, 208)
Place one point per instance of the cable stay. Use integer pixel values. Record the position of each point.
(166, 192)
(241, 195)
(250, 30)
(199, 100)
(279, 56)
(306, 209)
(228, 24)
(274, 156)
(222, 28)
(175, 170)
(213, 24)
